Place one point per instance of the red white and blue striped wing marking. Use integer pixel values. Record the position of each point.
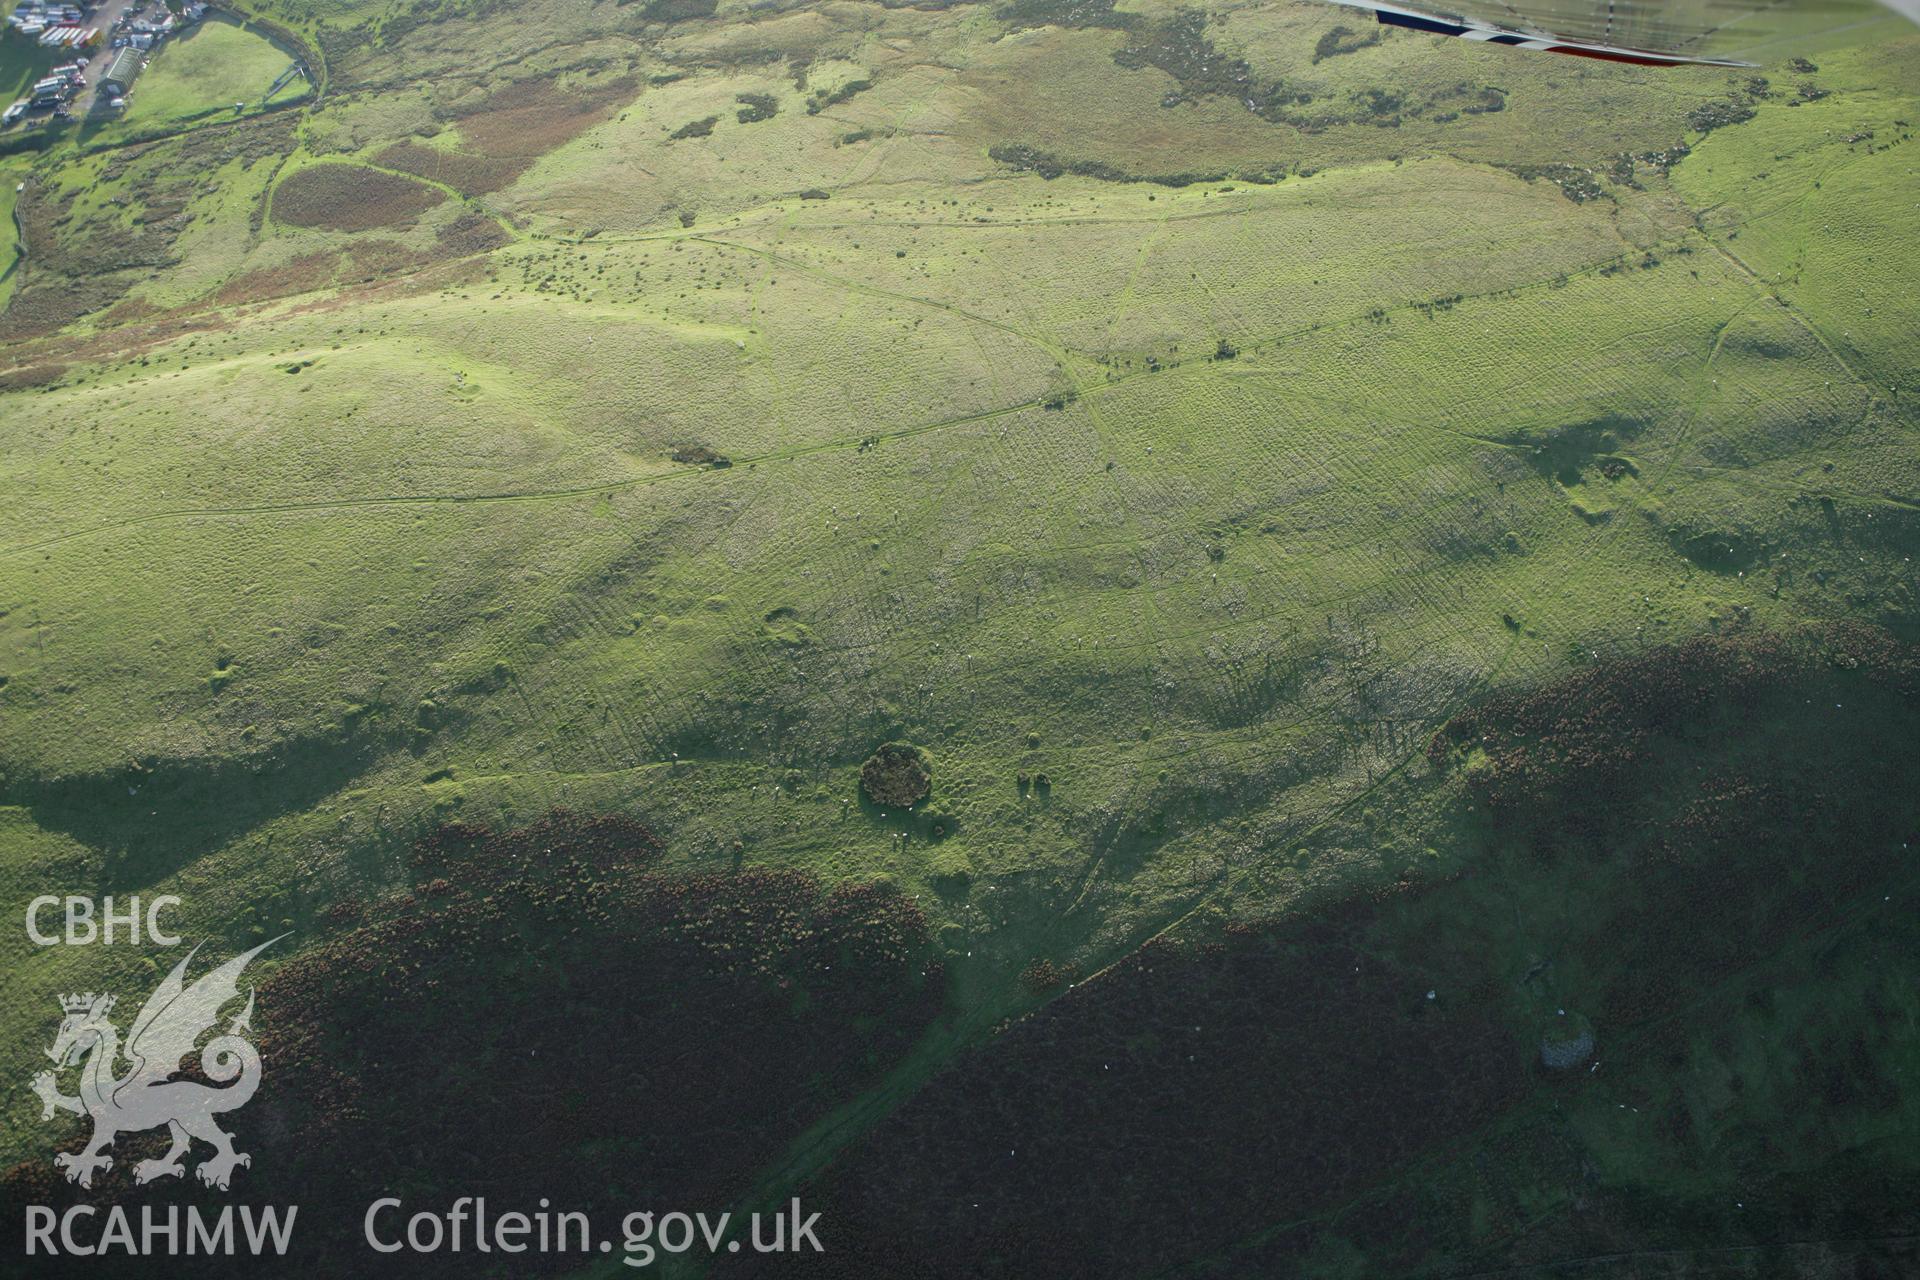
(1651, 33)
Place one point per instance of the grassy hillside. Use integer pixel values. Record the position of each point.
(634, 410)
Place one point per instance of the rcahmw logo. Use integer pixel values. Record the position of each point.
(143, 1094)
(163, 1231)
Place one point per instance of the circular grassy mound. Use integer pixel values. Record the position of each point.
(897, 775)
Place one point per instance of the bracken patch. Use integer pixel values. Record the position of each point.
(545, 993)
(504, 133)
(897, 775)
(350, 197)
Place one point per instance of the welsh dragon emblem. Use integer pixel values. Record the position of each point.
(146, 1096)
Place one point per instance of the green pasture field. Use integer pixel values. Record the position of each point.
(22, 61)
(203, 72)
(11, 175)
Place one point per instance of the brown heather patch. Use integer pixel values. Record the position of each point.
(470, 233)
(369, 260)
(1294, 1080)
(130, 311)
(83, 260)
(463, 171)
(546, 1012)
(1591, 734)
(107, 344)
(40, 217)
(110, 345)
(432, 278)
(350, 197)
(532, 117)
(506, 132)
(364, 272)
(303, 274)
(1269, 1075)
(46, 304)
(35, 375)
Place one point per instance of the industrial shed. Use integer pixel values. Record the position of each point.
(119, 77)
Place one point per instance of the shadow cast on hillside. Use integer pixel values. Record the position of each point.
(148, 821)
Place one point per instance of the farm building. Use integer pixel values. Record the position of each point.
(119, 77)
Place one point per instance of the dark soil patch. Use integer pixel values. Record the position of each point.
(131, 311)
(79, 263)
(368, 260)
(109, 344)
(46, 304)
